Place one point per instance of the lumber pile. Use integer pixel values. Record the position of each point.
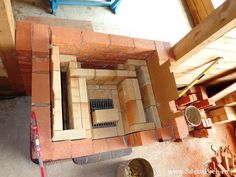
(224, 111)
(223, 114)
(229, 100)
(223, 163)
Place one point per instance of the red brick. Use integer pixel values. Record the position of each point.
(40, 39)
(40, 89)
(205, 124)
(68, 39)
(167, 123)
(40, 65)
(164, 52)
(202, 133)
(141, 138)
(100, 145)
(185, 100)
(165, 134)
(133, 140)
(144, 44)
(80, 148)
(180, 128)
(212, 166)
(204, 104)
(23, 36)
(148, 137)
(121, 42)
(93, 39)
(44, 126)
(116, 143)
(61, 150)
(201, 93)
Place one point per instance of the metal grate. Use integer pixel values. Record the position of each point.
(98, 104)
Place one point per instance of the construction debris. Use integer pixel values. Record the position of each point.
(223, 164)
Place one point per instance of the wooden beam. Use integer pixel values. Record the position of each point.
(224, 92)
(199, 9)
(7, 46)
(214, 26)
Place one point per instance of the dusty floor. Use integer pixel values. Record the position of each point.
(191, 154)
(150, 19)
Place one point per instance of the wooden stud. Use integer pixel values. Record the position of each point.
(7, 43)
(199, 9)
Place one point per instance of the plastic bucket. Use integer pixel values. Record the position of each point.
(193, 116)
(136, 167)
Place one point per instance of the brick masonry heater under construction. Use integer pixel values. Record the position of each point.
(95, 92)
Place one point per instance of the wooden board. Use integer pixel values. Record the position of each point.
(7, 47)
(214, 26)
(213, 37)
(224, 92)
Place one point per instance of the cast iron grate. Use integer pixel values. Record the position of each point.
(98, 104)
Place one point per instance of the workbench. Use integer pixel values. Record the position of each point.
(112, 4)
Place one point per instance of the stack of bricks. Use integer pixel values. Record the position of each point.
(145, 86)
(223, 163)
(149, 102)
(202, 131)
(173, 129)
(132, 107)
(197, 97)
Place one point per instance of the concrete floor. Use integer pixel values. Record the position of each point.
(192, 153)
(150, 19)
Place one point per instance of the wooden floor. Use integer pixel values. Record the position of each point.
(191, 154)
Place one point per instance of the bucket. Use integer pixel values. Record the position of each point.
(193, 116)
(135, 168)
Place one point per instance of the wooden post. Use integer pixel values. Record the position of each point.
(7, 46)
(199, 9)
